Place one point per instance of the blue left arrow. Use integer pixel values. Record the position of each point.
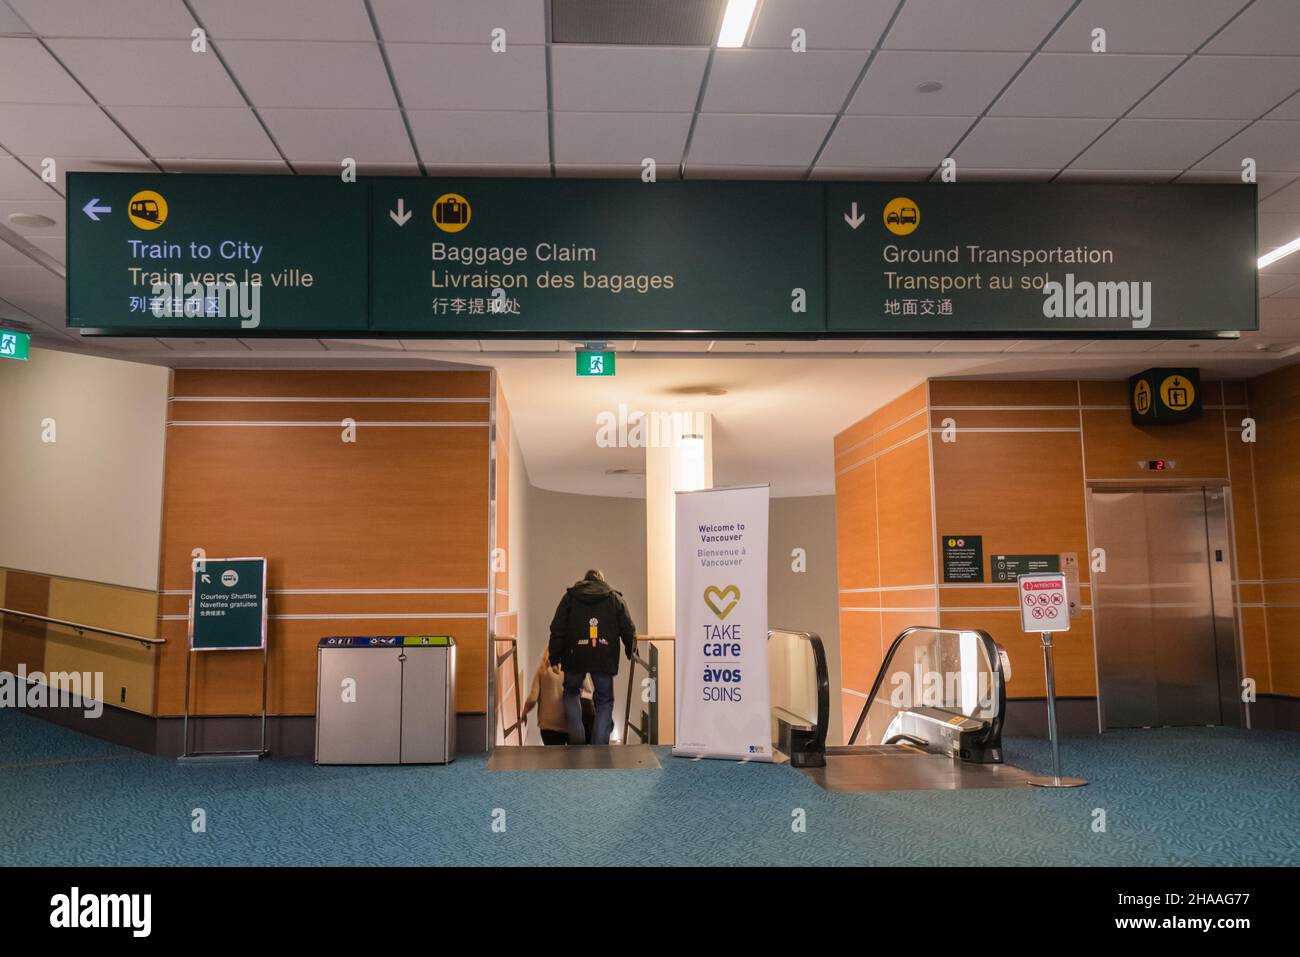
(92, 210)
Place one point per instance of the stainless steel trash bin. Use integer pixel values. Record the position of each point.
(386, 700)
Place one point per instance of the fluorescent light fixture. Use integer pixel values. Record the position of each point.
(1269, 258)
(735, 23)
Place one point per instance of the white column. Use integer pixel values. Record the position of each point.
(679, 458)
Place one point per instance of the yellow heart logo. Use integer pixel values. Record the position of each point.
(717, 599)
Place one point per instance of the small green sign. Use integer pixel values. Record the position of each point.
(14, 345)
(595, 363)
(426, 641)
(229, 604)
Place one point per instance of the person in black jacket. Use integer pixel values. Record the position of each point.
(589, 623)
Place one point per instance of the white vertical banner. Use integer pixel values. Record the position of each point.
(723, 709)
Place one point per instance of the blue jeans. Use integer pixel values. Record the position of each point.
(604, 701)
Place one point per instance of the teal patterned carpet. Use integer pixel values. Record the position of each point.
(1179, 797)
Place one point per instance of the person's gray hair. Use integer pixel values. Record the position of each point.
(594, 575)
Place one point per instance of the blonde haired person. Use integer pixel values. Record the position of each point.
(547, 695)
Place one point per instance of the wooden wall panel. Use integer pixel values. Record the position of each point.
(1072, 653)
(906, 526)
(23, 642)
(859, 647)
(1114, 447)
(855, 528)
(1275, 405)
(393, 524)
(127, 666)
(1254, 643)
(987, 393)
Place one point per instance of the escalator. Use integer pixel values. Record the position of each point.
(932, 721)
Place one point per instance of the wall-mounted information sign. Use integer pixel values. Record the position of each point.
(963, 558)
(1164, 397)
(587, 259)
(1007, 568)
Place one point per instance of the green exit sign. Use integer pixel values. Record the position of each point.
(16, 345)
(595, 363)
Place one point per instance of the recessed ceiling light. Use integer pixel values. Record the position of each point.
(697, 390)
(929, 86)
(35, 220)
(1264, 260)
(735, 23)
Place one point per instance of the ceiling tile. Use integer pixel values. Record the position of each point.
(147, 73)
(1268, 182)
(824, 171)
(12, 256)
(178, 132)
(1227, 87)
(1282, 315)
(215, 344)
(1266, 27)
(1273, 144)
(1290, 110)
(1284, 200)
(620, 138)
(1278, 285)
(409, 168)
(56, 247)
(970, 82)
(893, 141)
(731, 139)
(10, 23)
(1277, 229)
(28, 74)
(827, 24)
(64, 165)
(53, 209)
(284, 20)
(1046, 345)
(734, 172)
(1082, 84)
(310, 74)
(19, 182)
(474, 137)
(434, 77)
(268, 167)
(1152, 26)
(520, 345)
(974, 174)
(34, 290)
(441, 345)
(283, 345)
(974, 24)
(779, 81)
(1036, 143)
(972, 345)
(132, 19)
(368, 136)
(62, 130)
(1157, 144)
(612, 171)
(1115, 346)
(1079, 174)
(454, 21)
(626, 79)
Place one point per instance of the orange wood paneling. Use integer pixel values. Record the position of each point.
(887, 416)
(1254, 643)
(986, 392)
(23, 642)
(1114, 446)
(1284, 649)
(403, 507)
(905, 523)
(1245, 521)
(1072, 653)
(331, 412)
(859, 649)
(287, 383)
(1018, 419)
(855, 528)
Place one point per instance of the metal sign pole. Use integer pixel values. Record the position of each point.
(1055, 781)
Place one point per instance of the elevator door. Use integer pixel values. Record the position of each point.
(1165, 640)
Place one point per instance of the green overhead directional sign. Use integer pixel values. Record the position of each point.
(237, 255)
(592, 259)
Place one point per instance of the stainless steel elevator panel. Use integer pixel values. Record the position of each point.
(1166, 645)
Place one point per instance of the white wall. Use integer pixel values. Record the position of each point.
(89, 504)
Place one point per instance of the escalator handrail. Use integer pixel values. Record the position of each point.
(818, 744)
(990, 650)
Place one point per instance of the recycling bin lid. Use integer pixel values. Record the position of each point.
(387, 641)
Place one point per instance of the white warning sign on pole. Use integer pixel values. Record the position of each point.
(1044, 603)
